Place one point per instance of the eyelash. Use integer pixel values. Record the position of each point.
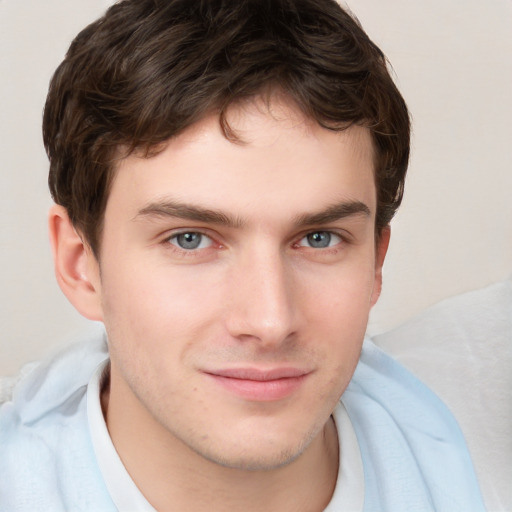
(330, 235)
(196, 252)
(189, 252)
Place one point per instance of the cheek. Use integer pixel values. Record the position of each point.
(155, 312)
(341, 295)
(141, 290)
(336, 314)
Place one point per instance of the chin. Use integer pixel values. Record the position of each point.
(260, 455)
(256, 461)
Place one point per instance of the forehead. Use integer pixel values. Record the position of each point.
(281, 162)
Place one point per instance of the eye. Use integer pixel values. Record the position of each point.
(320, 240)
(191, 240)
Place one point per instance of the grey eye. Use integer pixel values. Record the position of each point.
(319, 239)
(190, 241)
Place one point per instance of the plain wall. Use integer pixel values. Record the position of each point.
(453, 63)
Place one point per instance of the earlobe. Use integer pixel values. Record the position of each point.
(76, 267)
(380, 255)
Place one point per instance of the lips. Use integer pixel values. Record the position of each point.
(261, 385)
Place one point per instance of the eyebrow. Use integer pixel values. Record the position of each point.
(333, 213)
(188, 212)
(169, 208)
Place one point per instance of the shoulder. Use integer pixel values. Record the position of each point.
(462, 349)
(412, 448)
(47, 458)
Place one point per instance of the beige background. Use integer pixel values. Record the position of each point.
(453, 61)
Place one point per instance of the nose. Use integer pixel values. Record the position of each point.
(263, 304)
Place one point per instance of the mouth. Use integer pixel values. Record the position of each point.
(260, 385)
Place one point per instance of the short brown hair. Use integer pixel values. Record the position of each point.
(148, 69)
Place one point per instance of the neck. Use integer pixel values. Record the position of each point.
(173, 477)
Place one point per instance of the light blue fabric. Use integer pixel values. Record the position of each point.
(414, 455)
(47, 463)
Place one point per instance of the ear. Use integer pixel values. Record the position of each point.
(76, 267)
(381, 249)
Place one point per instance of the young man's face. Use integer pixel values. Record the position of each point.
(236, 282)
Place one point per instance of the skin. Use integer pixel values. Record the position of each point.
(284, 275)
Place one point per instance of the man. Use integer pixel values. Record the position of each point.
(224, 174)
